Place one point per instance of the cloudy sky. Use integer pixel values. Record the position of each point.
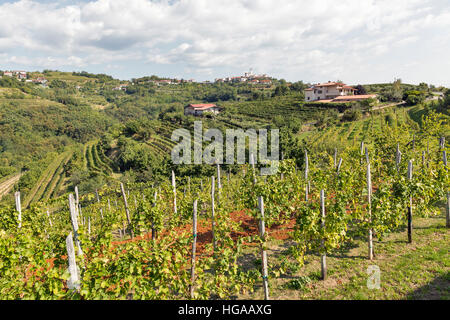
(358, 41)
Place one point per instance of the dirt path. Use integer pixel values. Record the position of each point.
(7, 185)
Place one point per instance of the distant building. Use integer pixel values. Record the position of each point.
(122, 87)
(247, 77)
(40, 80)
(328, 91)
(18, 74)
(21, 75)
(266, 82)
(199, 109)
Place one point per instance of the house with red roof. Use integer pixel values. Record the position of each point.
(199, 109)
(328, 91)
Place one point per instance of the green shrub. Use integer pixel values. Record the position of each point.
(299, 284)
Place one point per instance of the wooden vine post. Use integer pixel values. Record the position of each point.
(80, 215)
(423, 160)
(18, 208)
(174, 186)
(252, 162)
(194, 245)
(369, 207)
(127, 210)
(306, 175)
(262, 232)
(49, 219)
(339, 166)
(77, 200)
(410, 169)
(89, 226)
(398, 158)
(212, 213)
(362, 150)
(74, 280)
(73, 216)
(367, 155)
(219, 184)
(323, 258)
(154, 235)
(447, 207)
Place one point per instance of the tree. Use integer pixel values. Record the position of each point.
(298, 86)
(423, 87)
(393, 92)
(413, 97)
(360, 89)
(280, 90)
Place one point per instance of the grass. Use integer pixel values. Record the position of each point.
(418, 270)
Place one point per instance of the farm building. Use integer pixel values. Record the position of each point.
(199, 109)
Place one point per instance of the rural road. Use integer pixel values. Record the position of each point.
(7, 185)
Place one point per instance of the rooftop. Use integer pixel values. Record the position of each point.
(329, 84)
(355, 97)
(201, 106)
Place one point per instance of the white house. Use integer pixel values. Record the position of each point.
(199, 109)
(328, 91)
(122, 87)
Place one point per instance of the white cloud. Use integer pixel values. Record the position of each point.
(309, 40)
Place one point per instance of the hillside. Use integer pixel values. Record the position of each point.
(79, 130)
(190, 238)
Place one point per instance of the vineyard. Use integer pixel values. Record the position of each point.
(48, 182)
(346, 133)
(193, 238)
(95, 159)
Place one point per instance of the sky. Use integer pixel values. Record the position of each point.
(356, 41)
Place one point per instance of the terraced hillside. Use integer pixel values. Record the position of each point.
(349, 133)
(7, 183)
(48, 181)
